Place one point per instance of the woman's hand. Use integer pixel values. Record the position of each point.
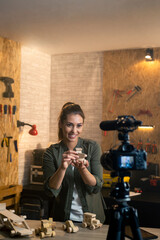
(81, 164)
(69, 157)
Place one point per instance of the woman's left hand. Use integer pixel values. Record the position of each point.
(81, 164)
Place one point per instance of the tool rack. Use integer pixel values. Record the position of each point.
(10, 64)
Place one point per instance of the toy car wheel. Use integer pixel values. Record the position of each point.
(92, 227)
(42, 235)
(69, 230)
(13, 232)
(84, 225)
(53, 233)
(37, 231)
(64, 227)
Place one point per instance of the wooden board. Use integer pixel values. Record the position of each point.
(123, 70)
(10, 64)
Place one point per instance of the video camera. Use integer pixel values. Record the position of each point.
(126, 157)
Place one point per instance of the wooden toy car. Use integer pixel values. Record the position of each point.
(81, 156)
(89, 220)
(46, 229)
(16, 224)
(70, 227)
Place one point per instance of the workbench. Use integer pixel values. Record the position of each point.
(83, 233)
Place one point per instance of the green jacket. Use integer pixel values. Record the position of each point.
(90, 196)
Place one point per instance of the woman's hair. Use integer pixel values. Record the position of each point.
(68, 108)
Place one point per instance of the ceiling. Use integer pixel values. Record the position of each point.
(68, 26)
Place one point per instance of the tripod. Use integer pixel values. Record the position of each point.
(123, 213)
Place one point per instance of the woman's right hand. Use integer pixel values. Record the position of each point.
(68, 157)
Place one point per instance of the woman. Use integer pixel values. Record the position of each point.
(76, 186)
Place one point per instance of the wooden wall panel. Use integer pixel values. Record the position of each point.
(123, 70)
(10, 64)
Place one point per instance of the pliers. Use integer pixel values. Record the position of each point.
(4, 141)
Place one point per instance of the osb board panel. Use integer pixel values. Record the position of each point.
(123, 70)
(9, 67)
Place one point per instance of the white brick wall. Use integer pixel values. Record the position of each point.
(78, 78)
(34, 106)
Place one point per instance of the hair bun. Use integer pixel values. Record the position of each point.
(67, 104)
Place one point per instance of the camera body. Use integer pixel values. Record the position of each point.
(120, 161)
(126, 157)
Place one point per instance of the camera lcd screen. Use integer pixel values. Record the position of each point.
(126, 162)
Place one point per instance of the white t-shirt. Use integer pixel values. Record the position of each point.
(76, 213)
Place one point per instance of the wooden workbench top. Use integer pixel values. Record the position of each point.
(82, 234)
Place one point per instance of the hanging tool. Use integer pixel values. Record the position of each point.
(140, 145)
(134, 91)
(5, 116)
(1, 109)
(154, 148)
(4, 141)
(116, 93)
(13, 114)
(9, 155)
(10, 112)
(7, 81)
(15, 145)
(130, 91)
(148, 147)
(147, 112)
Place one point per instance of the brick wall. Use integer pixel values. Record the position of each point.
(74, 77)
(78, 78)
(34, 106)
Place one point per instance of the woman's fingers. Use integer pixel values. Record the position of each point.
(69, 156)
(81, 164)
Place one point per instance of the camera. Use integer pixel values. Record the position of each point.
(126, 157)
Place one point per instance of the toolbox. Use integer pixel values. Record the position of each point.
(108, 181)
(36, 175)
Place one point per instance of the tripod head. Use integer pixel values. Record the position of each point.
(122, 188)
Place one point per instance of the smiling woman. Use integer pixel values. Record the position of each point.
(71, 122)
(76, 186)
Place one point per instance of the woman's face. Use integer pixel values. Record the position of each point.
(72, 127)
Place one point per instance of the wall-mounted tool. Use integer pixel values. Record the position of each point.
(134, 91)
(16, 145)
(5, 115)
(154, 148)
(146, 112)
(13, 114)
(1, 109)
(4, 141)
(10, 112)
(116, 93)
(140, 145)
(7, 81)
(148, 147)
(9, 155)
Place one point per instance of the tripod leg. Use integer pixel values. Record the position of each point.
(116, 232)
(134, 224)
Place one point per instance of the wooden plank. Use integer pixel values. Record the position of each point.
(9, 202)
(10, 65)
(10, 191)
(123, 70)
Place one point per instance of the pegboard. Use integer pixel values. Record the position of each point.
(124, 71)
(10, 64)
